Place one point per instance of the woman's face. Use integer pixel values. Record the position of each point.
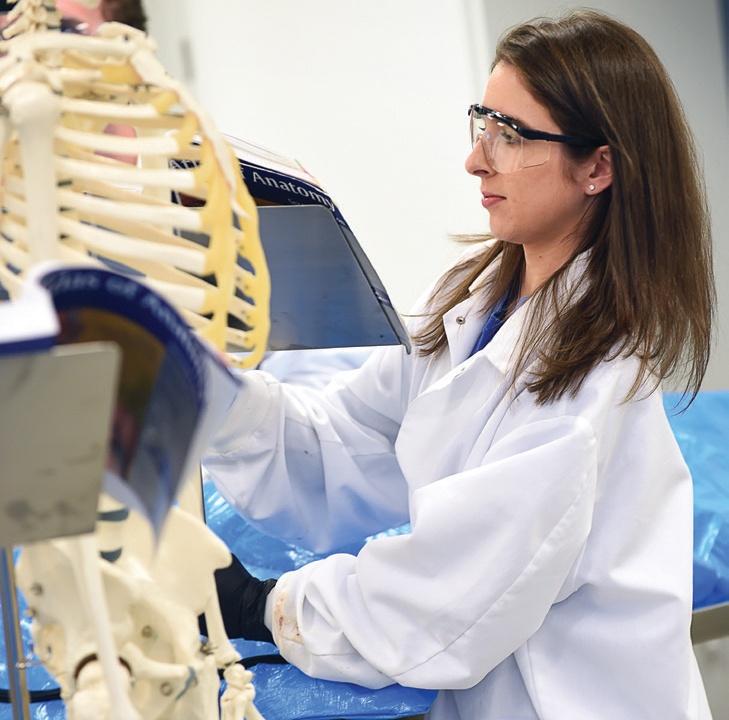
(540, 206)
(86, 12)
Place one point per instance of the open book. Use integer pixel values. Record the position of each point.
(172, 388)
(325, 293)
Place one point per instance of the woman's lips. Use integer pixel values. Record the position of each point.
(488, 200)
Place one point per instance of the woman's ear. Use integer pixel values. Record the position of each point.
(600, 171)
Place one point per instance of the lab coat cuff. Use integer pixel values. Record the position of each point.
(245, 415)
(282, 605)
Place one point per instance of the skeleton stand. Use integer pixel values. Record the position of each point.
(13, 642)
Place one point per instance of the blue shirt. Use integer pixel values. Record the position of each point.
(494, 323)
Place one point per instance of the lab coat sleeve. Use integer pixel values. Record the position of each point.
(317, 470)
(491, 550)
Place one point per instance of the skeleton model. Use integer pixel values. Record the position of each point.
(121, 637)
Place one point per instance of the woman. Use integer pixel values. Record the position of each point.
(85, 17)
(548, 572)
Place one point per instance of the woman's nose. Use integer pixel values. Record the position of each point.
(477, 160)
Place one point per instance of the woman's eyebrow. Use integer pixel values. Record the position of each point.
(513, 118)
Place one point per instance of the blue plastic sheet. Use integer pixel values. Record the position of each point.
(284, 693)
(702, 432)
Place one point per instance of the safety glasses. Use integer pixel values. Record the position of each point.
(509, 146)
(74, 26)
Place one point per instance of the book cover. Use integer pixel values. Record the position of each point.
(325, 292)
(172, 388)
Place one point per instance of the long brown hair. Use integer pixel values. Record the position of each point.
(129, 12)
(648, 286)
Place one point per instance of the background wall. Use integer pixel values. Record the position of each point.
(371, 97)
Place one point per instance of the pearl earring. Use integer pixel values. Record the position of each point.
(591, 187)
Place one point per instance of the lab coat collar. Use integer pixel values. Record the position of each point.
(464, 322)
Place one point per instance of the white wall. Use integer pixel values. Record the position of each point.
(371, 97)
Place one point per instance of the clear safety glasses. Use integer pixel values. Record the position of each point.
(74, 26)
(509, 146)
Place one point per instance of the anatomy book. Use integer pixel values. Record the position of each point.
(172, 388)
(325, 293)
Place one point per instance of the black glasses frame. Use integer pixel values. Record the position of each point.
(529, 134)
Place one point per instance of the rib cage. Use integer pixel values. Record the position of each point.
(66, 198)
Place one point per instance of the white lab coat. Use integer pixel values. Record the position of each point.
(548, 572)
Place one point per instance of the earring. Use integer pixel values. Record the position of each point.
(591, 187)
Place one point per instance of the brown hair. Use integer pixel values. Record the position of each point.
(648, 286)
(129, 12)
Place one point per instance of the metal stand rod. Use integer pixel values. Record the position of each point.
(13, 638)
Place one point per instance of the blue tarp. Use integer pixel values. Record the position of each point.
(702, 432)
(284, 693)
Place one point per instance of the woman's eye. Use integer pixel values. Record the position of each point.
(507, 135)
